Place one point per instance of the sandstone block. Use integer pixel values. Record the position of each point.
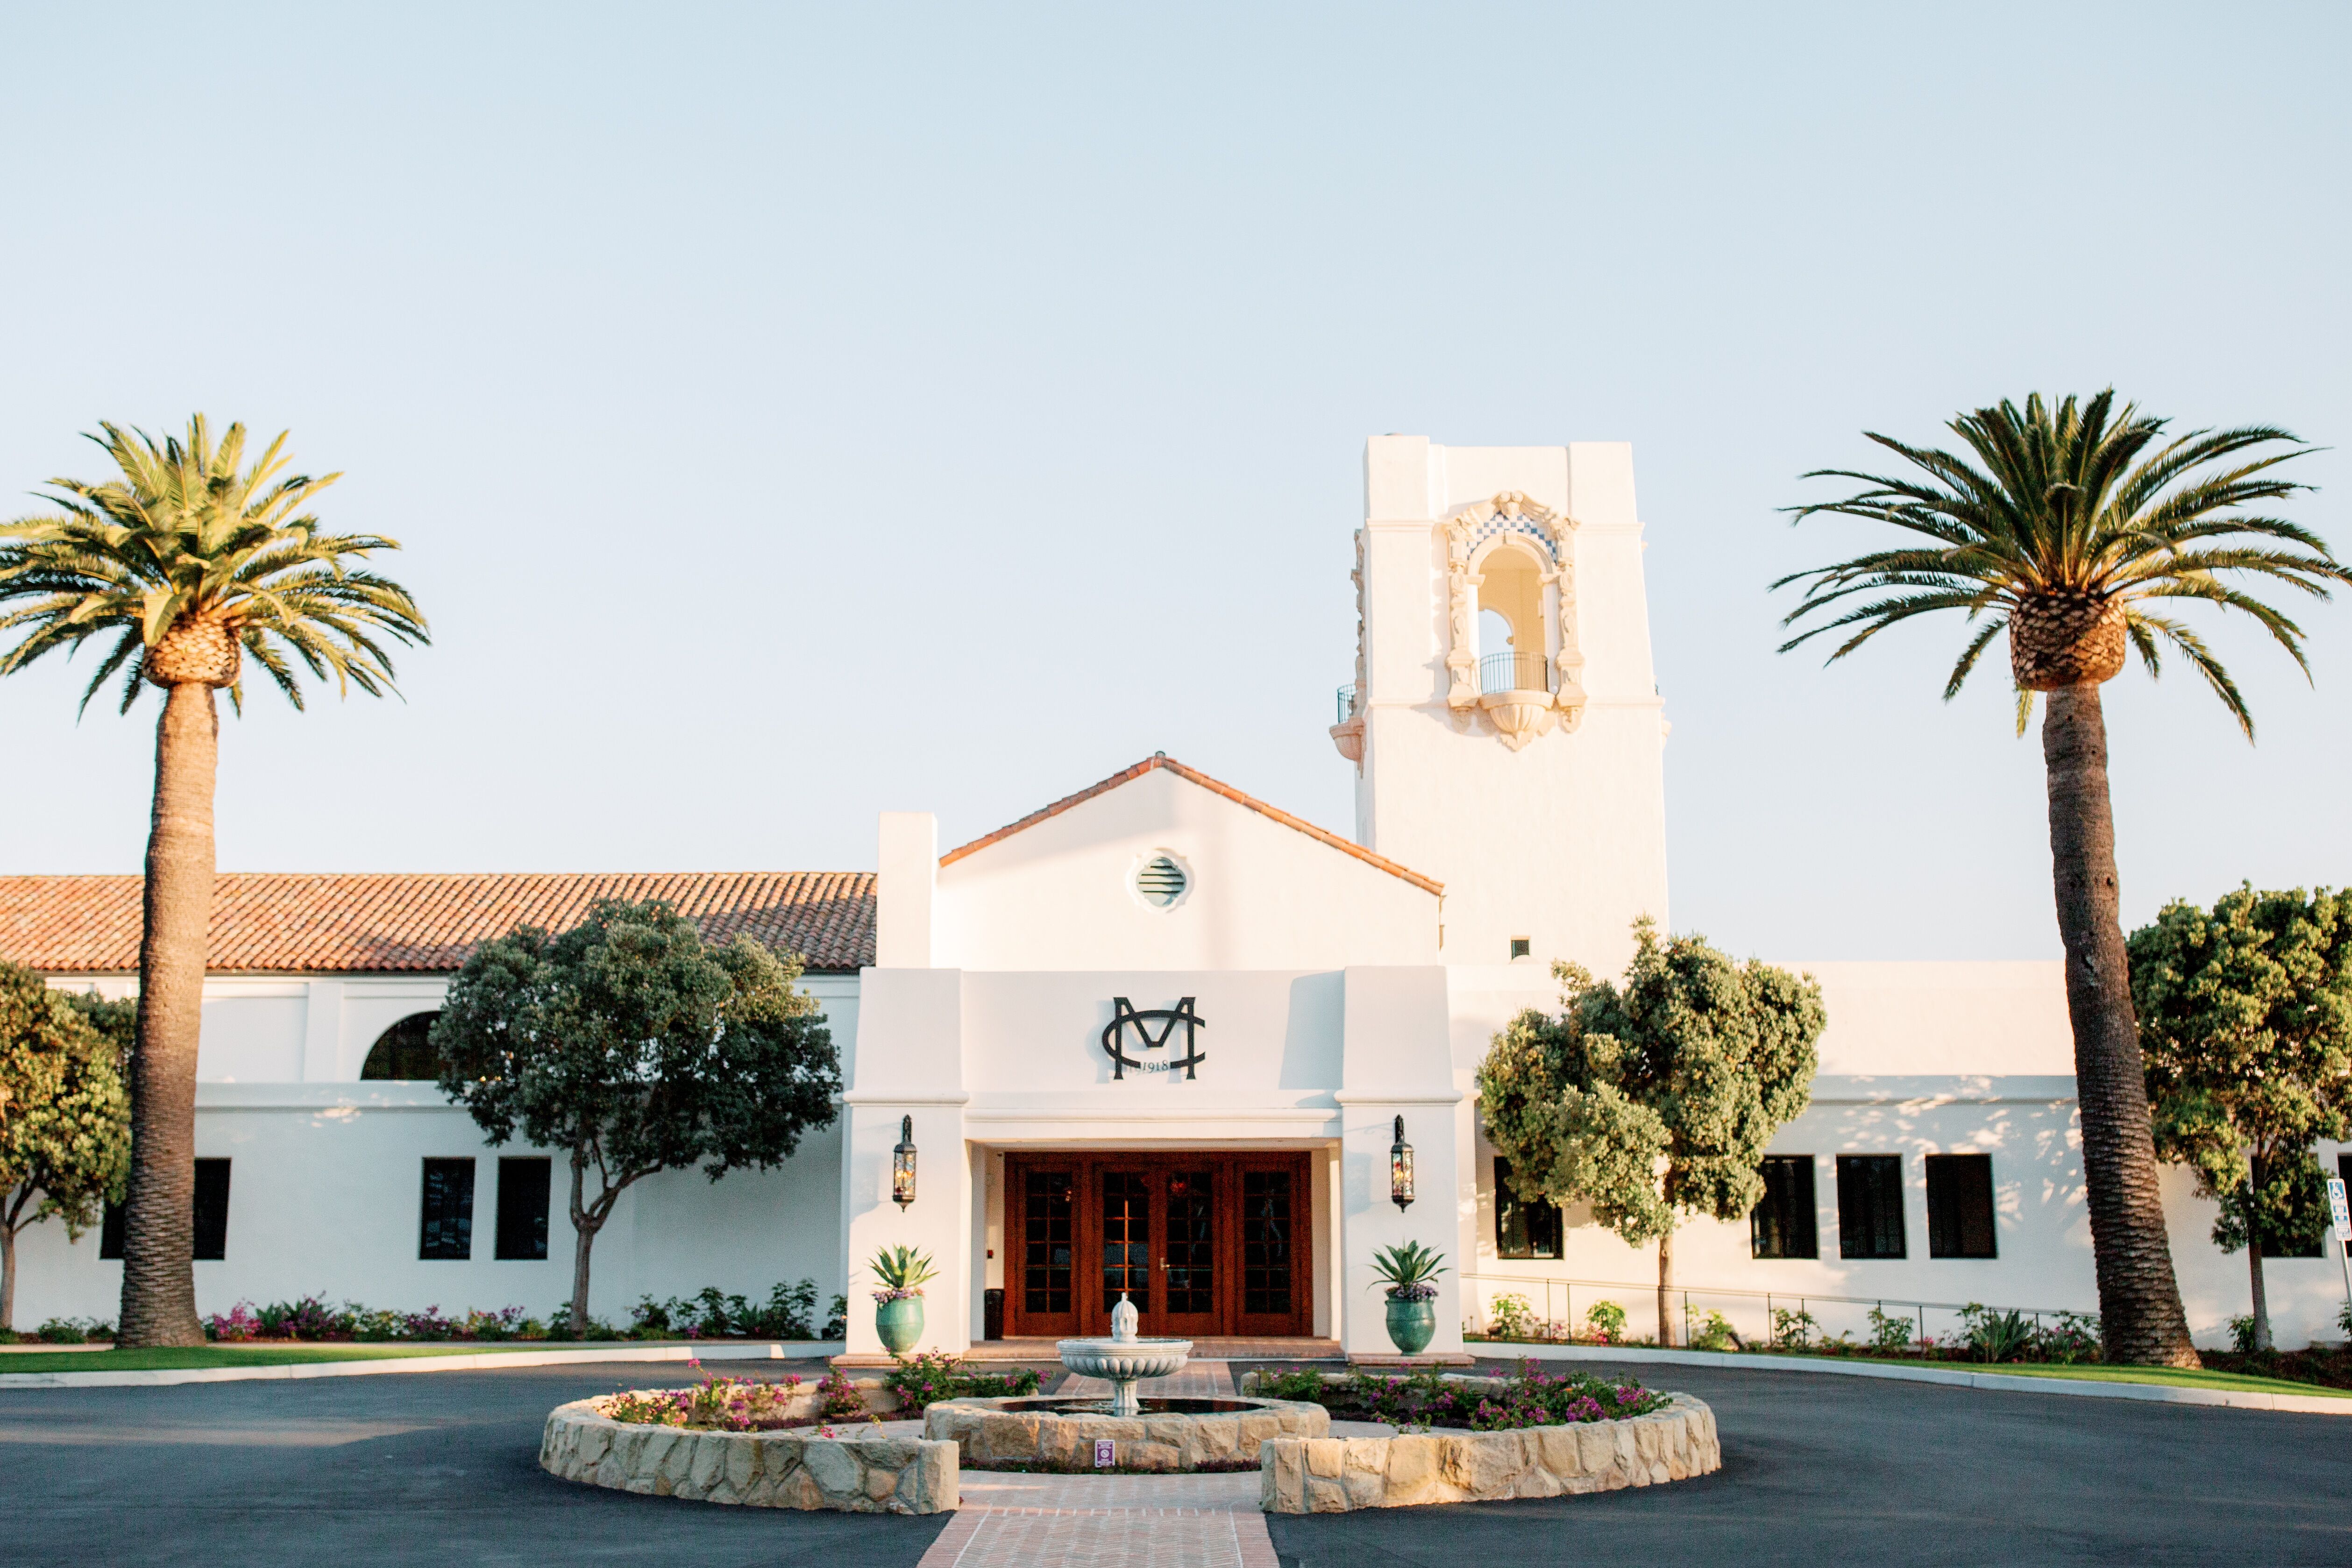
(1326, 1456)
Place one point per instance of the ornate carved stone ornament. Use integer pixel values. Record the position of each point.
(1518, 712)
(1348, 735)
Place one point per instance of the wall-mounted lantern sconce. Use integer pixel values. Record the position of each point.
(1400, 1168)
(902, 1163)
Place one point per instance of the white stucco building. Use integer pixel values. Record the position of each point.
(1508, 743)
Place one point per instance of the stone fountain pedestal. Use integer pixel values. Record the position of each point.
(1123, 1360)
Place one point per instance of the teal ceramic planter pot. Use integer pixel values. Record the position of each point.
(900, 1323)
(1412, 1325)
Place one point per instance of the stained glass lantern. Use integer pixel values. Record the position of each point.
(902, 1164)
(1400, 1168)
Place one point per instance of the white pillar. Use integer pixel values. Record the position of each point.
(1397, 1063)
(905, 887)
(910, 1068)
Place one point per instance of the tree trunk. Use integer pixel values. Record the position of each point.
(2261, 1298)
(583, 1238)
(159, 1276)
(1666, 1335)
(2140, 1317)
(8, 1277)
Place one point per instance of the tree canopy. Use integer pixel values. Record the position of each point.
(635, 1046)
(1654, 1098)
(2245, 1024)
(65, 1115)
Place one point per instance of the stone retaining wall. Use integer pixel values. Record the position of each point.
(988, 1433)
(1334, 1475)
(761, 1470)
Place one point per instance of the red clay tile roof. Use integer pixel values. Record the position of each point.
(398, 922)
(1195, 776)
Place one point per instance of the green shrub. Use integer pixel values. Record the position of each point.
(1795, 1327)
(1996, 1336)
(925, 1378)
(1607, 1322)
(1889, 1335)
(1510, 1317)
(1713, 1333)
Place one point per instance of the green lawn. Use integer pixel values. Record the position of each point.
(2176, 1377)
(235, 1355)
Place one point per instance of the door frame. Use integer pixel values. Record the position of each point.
(1090, 1315)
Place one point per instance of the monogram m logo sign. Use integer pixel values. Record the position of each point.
(1125, 1016)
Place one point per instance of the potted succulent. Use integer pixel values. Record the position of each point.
(1410, 1271)
(899, 1304)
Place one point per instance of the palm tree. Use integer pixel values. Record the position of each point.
(189, 563)
(2069, 531)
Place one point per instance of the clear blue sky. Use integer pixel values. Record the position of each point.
(790, 414)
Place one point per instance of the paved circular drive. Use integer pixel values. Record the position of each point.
(442, 1468)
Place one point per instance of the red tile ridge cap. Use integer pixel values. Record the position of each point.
(1195, 776)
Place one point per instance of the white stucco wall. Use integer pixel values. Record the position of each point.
(326, 1181)
(1264, 895)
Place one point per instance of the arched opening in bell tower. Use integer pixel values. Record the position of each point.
(1512, 650)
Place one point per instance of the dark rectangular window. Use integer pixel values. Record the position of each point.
(1265, 1241)
(1046, 1229)
(1870, 1205)
(211, 1209)
(1522, 1229)
(1783, 1222)
(447, 1232)
(211, 1217)
(1960, 1205)
(2274, 1248)
(522, 1208)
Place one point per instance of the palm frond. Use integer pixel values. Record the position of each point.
(2080, 500)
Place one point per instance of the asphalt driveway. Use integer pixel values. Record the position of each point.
(441, 1468)
(1823, 1470)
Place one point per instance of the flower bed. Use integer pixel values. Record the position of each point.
(1660, 1437)
(861, 1472)
(789, 1313)
(1531, 1396)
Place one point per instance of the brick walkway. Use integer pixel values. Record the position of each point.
(1111, 1521)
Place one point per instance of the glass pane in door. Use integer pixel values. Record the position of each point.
(1265, 1241)
(1126, 1238)
(1045, 1260)
(1191, 1244)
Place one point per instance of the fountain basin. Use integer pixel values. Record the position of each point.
(1171, 1435)
(1124, 1360)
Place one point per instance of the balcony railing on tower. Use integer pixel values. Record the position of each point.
(1512, 671)
(1346, 703)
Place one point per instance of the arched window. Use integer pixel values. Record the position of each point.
(404, 1051)
(1511, 654)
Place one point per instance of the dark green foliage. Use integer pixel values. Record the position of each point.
(1690, 1066)
(2245, 1015)
(635, 1046)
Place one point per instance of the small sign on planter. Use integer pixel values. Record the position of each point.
(1106, 1453)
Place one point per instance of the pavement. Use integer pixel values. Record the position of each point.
(1818, 1470)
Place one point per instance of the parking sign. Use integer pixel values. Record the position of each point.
(2336, 1208)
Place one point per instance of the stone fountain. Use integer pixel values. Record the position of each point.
(1124, 1360)
(1138, 1434)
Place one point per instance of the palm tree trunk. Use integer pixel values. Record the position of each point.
(159, 1276)
(2141, 1320)
(1666, 1289)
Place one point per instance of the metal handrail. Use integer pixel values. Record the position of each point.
(1347, 702)
(1513, 671)
(1803, 1299)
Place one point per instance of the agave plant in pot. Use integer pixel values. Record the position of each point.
(899, 1304)
(1410, 1271)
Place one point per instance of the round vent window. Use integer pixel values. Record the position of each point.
(1161, 881)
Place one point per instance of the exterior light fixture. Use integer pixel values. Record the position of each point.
(902, 1163)
(1400, 1168)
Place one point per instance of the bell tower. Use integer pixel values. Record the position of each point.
(1504, 721)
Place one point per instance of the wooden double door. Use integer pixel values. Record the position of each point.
(1204, 1244)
